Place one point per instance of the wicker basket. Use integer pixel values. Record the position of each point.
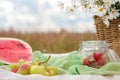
(110, 34)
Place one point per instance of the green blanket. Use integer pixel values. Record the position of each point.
(72, 63)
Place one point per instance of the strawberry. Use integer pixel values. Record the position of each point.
(91, 58)
(86, 61)
(98, 56)
(101, 61)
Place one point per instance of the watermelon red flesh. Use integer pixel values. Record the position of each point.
(12, 50)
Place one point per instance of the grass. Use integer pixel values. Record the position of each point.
(52, 42)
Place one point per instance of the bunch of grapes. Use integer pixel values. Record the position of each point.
(36, 67)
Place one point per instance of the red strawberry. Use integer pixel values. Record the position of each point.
(91, 58)
(101, 61)
(97, 56)
(86, 61)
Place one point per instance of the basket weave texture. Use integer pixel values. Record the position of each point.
(110, 34)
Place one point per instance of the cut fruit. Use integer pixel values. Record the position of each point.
(12, 50)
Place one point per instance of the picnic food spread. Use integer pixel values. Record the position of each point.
(72, 63)
(36, 67)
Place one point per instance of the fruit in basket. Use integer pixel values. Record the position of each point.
(12, 50)
(24, 69)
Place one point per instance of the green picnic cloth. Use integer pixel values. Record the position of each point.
(72, 63)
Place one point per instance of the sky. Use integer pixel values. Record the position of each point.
(41, 16)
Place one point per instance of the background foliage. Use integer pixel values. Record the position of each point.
(52, 42)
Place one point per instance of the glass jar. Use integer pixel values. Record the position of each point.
(94, 53)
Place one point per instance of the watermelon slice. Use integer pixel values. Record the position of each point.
(12, 50)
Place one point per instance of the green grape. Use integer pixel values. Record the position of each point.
(46, 73)
(51, 73)
(21, 61)
(31, 64)
(14, 66)
(24, 69)
(52, 70)
(37, 69)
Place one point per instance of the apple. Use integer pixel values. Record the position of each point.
(24, 69)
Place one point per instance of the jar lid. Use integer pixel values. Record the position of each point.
(95, 43)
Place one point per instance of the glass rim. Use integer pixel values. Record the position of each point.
(95, 43)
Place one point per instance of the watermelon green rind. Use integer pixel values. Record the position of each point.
(27, 50)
